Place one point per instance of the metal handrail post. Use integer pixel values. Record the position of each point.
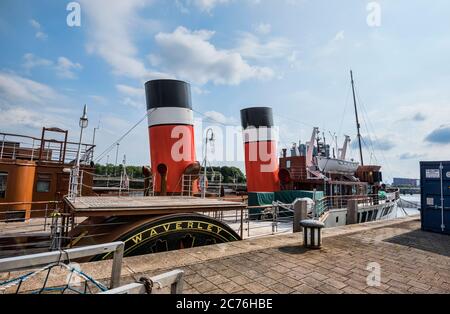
(3, 145)
(242, 224)
(32, 151)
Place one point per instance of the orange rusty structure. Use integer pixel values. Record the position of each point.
(261, 161)
(32, 176)
(171, 135)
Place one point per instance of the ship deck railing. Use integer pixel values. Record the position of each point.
(28, 148)
(364, 201)
(50, 224)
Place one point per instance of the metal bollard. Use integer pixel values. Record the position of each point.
(312, 233)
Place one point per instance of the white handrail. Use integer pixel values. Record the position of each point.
(173, 279)
(37, 260)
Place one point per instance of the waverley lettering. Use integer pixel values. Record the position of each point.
(177, 226)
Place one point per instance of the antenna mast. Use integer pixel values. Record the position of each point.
(358, 125)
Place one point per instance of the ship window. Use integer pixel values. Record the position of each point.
(3, 180)
(43, 182)
(364, 217)
(15, 216)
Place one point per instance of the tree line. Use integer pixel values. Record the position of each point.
(229, 174)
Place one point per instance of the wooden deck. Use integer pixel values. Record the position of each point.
(125, 206)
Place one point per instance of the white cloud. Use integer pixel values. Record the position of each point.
(65, 68)
(31, 61)
(214, 116)
(11, 117)
(333, 45)
(154, 60)
(263, 28)
(133, 96)
(385, 121)
(41, 35)
(293, 60)
(190, 55)
(208, 5)
(131, 91)
(98, 99)
(39, 32)
(339, 36)
(181, 6)
(35, 24)
(199, 91)
(25, 103)
(250, 46)
(113, 23)
(128, 101)
(15, 88)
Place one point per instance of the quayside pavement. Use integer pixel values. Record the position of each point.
(406, 259)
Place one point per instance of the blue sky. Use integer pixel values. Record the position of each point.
(292, 55)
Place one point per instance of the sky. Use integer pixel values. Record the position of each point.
(292, 55)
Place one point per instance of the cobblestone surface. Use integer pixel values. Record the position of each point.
(411, 261)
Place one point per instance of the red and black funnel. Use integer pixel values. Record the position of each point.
(171, 133)
(261, 161)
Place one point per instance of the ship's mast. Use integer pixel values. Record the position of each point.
(358, 125)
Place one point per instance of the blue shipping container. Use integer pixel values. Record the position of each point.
(435, 185)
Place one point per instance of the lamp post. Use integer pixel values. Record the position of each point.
(117, 155)
(208, 139)
(93, 138)
(76, 171)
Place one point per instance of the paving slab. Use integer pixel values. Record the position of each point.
(407, 259)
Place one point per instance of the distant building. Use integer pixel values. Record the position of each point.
(405, 182)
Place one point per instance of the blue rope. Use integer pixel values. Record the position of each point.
(95, 282)
(92, 280)
(4, 283)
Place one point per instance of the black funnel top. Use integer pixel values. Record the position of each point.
(257, 117)
(168, 93)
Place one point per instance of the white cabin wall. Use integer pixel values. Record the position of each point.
(338, 214)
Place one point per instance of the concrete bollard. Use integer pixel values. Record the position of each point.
(352, 212)
(300, 213)
(312, 233)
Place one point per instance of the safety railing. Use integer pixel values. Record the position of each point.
(119, 186)
(21, 147)
(328, 203)
(258, 221)
(36, 227)
(213, 184)
(269, 220)
(34, 261)
(173, 281)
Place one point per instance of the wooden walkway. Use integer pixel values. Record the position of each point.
(116, 205)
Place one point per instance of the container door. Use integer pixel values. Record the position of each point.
(432, 190)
